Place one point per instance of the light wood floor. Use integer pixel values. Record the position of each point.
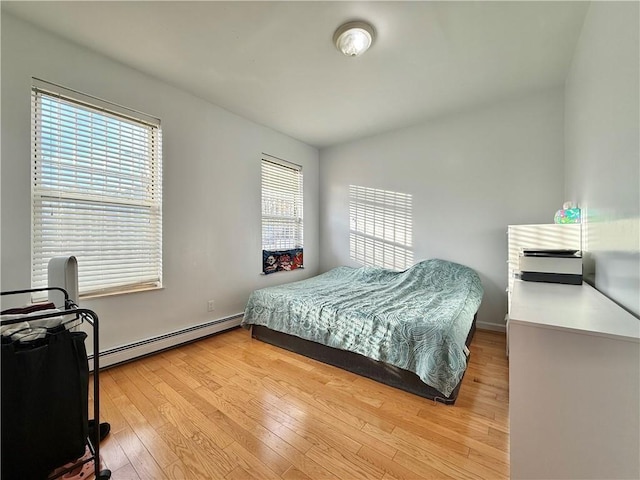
(230, 407)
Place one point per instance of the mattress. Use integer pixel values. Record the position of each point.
(417, 320)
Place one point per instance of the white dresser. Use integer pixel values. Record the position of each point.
(574, 384)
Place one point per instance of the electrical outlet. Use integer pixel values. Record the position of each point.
(211, 305)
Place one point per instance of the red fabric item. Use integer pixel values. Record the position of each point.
(28, 309)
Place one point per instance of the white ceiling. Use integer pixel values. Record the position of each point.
(275, 63)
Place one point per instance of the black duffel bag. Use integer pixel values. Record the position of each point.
(44, 404)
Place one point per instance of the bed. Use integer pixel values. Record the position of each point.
(407, 329)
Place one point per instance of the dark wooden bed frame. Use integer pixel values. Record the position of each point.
(359, 364)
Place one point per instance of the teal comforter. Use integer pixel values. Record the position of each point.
(417, 320)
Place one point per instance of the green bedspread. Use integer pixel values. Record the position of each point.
(417, 320)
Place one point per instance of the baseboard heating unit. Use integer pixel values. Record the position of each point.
(142, 348)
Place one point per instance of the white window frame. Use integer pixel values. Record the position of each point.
(282, 204)
(96, 191)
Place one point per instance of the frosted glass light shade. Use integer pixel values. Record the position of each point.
(353, 38)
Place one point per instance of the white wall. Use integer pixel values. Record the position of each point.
(212, 242)
(470, 175)
(603, 146)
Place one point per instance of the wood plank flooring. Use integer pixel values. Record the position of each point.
(231, 408)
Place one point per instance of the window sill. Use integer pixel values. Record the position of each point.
(281, 271)
(91, 296)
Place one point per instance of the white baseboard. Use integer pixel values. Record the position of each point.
(135, 350)
(155, 344)
(495, 327)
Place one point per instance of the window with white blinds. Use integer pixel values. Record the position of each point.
(96, 191)
(381, 227)
(282, 225)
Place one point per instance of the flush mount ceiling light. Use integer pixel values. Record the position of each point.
(353, 38)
